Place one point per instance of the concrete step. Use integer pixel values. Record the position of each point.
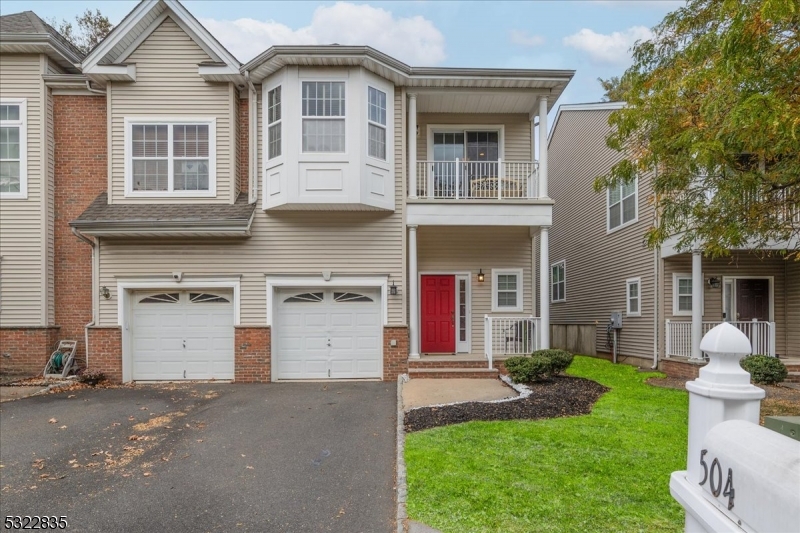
(444, 373)
(792, 367)
(793, 377)
(452, 363)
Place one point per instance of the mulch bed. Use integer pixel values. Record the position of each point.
(560, 397)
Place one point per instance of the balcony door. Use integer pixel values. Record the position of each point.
(477, 153)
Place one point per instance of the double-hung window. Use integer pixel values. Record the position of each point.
(682, 294)
(323, 113)
(622, 208)
(633, 288)
(376, 123)
(558, 281)
(274, 148)
(13, 148)
(507, 284)
(171, 157)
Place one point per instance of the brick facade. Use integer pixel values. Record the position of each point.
(81, 171)
(25, 351)
(395, 358)
(680, 368)
(105, 352)
(252, 354)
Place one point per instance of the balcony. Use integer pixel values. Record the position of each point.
(477, 180)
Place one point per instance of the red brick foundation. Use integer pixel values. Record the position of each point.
(25, 351)
(81, 173)
(105, 352)
(395, 358)
(680, 368)
(252, 354)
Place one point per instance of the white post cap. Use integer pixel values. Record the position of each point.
(725, 346)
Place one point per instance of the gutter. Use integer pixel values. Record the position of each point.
(95, 289)
(95, 91)
(252, 140)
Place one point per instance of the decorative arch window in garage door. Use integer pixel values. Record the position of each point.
(205, 298)
(305, 297)
(350, 297)
(165, 298)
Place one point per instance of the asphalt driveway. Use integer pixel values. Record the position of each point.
(282, 457)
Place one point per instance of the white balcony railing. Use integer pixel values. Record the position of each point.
(679, 336)
(456, 180)
(510, 335)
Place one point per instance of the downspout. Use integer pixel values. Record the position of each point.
(95, 91)
(656, 288)
(252, 140)
(91, 243)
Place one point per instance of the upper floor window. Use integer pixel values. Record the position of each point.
(323, 116)
(13, 149)
(622, 204)
(376, 123)
(558, 282)
(274, 123)
(171, 157)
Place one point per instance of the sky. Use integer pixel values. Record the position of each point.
(591, 37)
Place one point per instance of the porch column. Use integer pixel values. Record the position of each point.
(413, 295)
(412, 146)
(544, 286)
(697, 303)
(543, 148)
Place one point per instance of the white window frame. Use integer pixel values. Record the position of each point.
(22, 124)
(635, 218)
(675, 311)
(628, 283)
(496, 272)
(563, 264)
(211, 122)
(384, 127)
(278, 122)
(347, 105)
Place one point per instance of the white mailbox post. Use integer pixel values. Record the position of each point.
(740, 476)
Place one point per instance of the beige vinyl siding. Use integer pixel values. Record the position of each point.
(741, 264)
(517, 131)
(22, 249)
(598, 263)
(449, 249)
(282, 243)
(792, 309)
(168, 84)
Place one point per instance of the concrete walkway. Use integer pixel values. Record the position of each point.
(422, 392)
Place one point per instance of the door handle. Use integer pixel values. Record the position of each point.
(453, 318)
(184, 343)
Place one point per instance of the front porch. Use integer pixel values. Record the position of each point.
(679, 336)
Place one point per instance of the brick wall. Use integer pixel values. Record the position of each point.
(25, 351)
(243, 149)
(679, 368)
(395, 358)
(252, 359)
(80, 175)
(105, 352)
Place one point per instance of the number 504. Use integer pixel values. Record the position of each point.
(713, 475)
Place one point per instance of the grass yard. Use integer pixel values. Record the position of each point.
(607, 471)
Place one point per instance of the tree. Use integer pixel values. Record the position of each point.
(714, 113)
(91, 29)
(614, 89)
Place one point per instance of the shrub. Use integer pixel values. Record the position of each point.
(539, 366)
(764, 369)
(91, 377)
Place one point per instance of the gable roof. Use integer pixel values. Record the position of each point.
(107, 59)
(26, 32)
(593, 106)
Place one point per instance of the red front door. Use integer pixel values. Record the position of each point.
(438, 314)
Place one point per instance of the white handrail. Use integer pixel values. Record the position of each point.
(510, 335)
(458, 179)
(679, 336)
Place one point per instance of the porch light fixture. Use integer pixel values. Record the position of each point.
(714, 283)
(104, 292)
(481, 276)
(393, 289)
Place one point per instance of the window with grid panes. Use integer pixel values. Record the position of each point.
(323, 112)
(13, 179)
(621, 204)
(376, 123)
(274, 148)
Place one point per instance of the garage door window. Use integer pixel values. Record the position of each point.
(166, 298)
(305, 297)
(205, 298)
(350, 297)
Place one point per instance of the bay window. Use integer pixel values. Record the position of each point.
(323, 112)
(13, 148)
(376, 123)
(274, 147)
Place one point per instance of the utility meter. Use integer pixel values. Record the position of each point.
(616, 320)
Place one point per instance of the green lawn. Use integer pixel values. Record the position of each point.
(607, 471)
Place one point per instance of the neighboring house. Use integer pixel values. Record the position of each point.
(600, 264)
(30, 52)
(320, 212)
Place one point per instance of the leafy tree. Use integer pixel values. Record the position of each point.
(714, 113)
(91, 29)
(614, 89)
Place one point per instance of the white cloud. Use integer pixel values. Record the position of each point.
(524, 38)
(414, 40)
(613, 48)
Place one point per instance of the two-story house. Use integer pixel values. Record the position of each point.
(667, 298)
(319, 212)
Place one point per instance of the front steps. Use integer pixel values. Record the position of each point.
(449, 366)
(794, 371)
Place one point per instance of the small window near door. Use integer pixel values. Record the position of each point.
(507, 285)
(633, 289)
(165, 298)
(682, 294)
(305, 297)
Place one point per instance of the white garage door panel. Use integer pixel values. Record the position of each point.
(332, 333)
(182, 335)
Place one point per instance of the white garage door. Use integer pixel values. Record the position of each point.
(332, 333)
(182, 335)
